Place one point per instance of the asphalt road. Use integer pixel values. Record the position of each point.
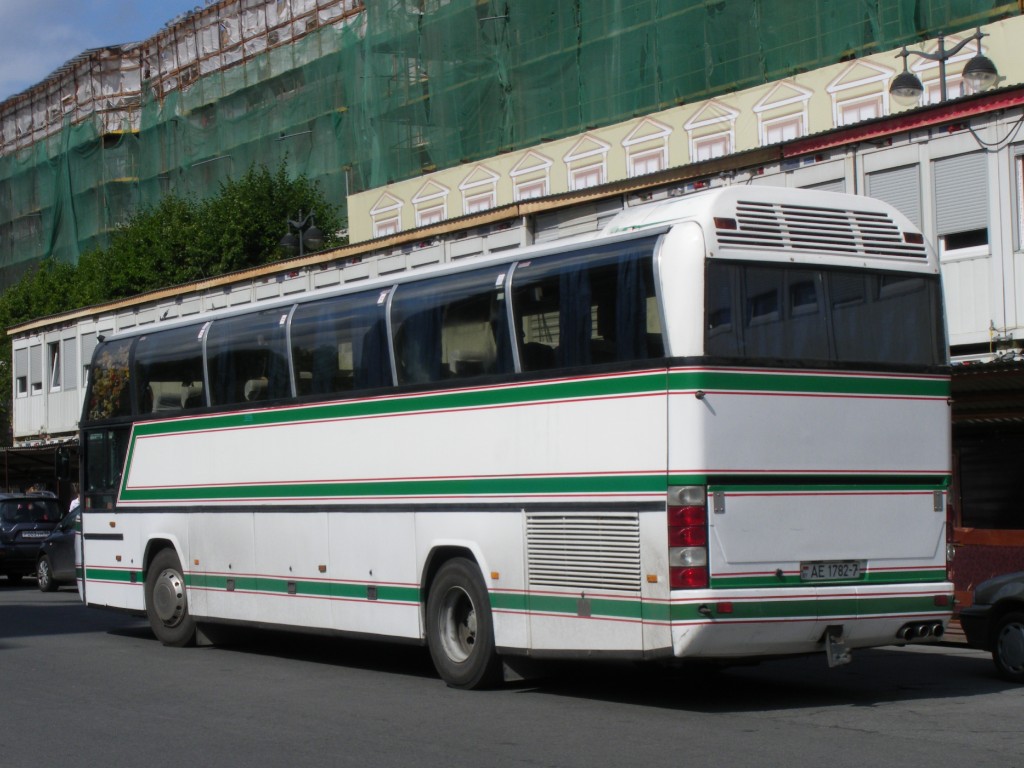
(83, 687)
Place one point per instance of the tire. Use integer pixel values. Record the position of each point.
(460, 629)
(167, 601)
(1008, 647)
(44, 575)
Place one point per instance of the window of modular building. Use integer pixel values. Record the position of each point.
(35, 354)
(961, 220)
(53, 355)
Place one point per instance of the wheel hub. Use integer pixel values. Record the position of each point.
(169, 598)
(458, 625)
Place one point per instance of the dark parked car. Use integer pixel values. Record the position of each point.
(995, 622)
(56, 563)
(26, 519)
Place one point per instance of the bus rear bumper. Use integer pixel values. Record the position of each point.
(743, 624)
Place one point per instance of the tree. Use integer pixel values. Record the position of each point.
(176, 241)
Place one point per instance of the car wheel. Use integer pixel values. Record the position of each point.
(460, 631)
(1008, 647)
(44, 575)
(167, 601)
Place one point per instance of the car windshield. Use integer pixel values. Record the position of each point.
(13, 511)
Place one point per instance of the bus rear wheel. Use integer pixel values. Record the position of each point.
(167, 601)
(460, 629)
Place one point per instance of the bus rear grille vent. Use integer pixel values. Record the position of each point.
(836, 231)
(584, 551)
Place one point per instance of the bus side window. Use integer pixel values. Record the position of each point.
(110, 395)
(248, 358)
(339, 345)
(587, 308)
(168, 365)
(452, 327)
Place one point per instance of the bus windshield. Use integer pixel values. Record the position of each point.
(808, 314)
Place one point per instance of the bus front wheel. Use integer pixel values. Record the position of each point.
(167, 602)
(460, 630)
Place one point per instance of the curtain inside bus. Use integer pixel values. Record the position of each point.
(804, 315)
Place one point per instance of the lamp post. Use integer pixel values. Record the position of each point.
(309, 237)
(980, 72)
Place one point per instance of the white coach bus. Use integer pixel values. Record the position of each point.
(718, 429)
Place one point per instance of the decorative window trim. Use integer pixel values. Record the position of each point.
(871, 80)
(659, 155)
(698, 145)
(386, 214)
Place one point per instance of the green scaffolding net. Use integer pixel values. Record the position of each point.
(383, 92)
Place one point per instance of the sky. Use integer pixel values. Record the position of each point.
(39, 36)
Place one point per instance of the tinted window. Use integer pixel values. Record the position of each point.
(452, 327)
(587, 308)
(783, 313)
(105, 451)
(109, 394)
(169, 370)
(248, 358)
(340, 344)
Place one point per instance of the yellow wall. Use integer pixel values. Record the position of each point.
(813, 100)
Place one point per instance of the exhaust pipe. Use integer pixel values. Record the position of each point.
(910, 632)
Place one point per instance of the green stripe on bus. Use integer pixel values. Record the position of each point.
(748, 610)
(510, 486)
(923, 576)
(813, 608)
(839, 384)
(112, 574)
(637, 384)
(607, 386)
(784, 482)
(299, 587)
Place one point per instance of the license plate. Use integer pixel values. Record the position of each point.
(830, 570)
(34, 534)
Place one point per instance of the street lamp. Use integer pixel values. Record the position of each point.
(980, 72)
(309, 238)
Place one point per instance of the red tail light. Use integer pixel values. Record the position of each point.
(687, 520)
(688, 578)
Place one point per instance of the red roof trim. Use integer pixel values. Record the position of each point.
(919, 118)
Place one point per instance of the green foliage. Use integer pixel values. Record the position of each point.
(182, 240)
(174, 242)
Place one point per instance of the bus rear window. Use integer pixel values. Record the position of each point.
(800, 314)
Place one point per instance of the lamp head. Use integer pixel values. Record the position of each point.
(906, 89)
(313, 238)
(981, 73)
